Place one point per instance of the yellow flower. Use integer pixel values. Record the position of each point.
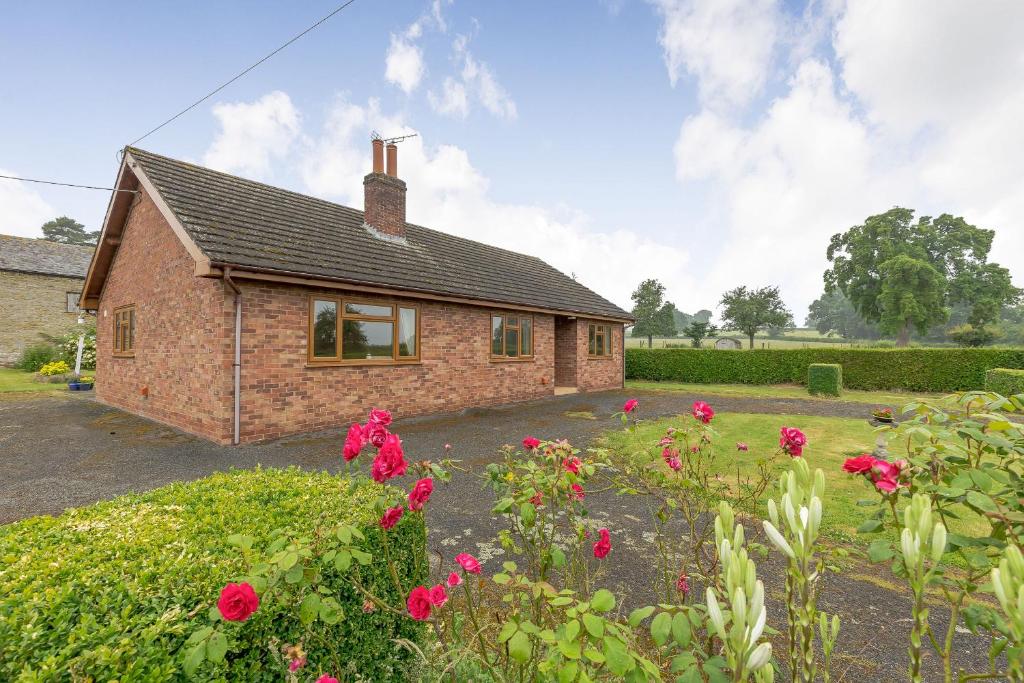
(510, 477)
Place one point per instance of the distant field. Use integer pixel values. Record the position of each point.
(796, 339)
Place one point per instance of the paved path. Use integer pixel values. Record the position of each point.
(70, 451)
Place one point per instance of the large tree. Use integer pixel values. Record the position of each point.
(750, 310)
(904, 275)
(698, 332)
(832, 313)
(67, 230)
(654, 316)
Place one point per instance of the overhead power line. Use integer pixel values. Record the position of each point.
(241, 73)
(53, 182)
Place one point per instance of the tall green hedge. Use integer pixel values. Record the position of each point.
(825, 378)
(112, 591)
(910, 369)
(1005, 381)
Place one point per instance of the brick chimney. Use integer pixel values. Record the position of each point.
(384, 193)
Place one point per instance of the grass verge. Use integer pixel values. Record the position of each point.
(13, 381)
(895, 399)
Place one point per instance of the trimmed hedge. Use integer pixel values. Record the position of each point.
(1005, 381)
(825, 378)
(910, 369)
(113, 590)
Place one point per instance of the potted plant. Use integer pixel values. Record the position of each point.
(85, 383)
(883, 415)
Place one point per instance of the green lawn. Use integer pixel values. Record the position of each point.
(893, 398)
(19, 381)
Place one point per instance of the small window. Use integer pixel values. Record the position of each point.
(73, 302)
(511, 336)
(124, 331)
(599, 341)
(357, 332)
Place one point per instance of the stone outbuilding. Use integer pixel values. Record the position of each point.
(243, 312)
(40, 283)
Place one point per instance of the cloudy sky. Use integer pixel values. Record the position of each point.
(707, 143)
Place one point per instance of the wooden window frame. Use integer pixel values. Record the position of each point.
(505, 315)
(127, 316)
(341, 302)
(603, 330)
(78, 301)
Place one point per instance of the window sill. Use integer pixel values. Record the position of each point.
(358, 363)
(515, 359)
(609, 357)
(122, 355)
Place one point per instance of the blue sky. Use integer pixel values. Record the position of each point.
(708, 144)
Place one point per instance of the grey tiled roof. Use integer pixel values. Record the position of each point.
(41, 256)
(242, 223)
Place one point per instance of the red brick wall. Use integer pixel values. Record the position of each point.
(183, 333)
(282, 393)
(565, 352)
(595, 374)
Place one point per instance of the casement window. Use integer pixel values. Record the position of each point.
(599, 341)
(511, 336)
(124, 331)
(342, 330)
(73, 302)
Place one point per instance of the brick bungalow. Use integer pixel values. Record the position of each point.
(242, 312)
(40, 283)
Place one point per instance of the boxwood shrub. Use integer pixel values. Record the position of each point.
(825, 378)
(112, 591)
(1005, 381)
(909, 369)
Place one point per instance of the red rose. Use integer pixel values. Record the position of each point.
(468, 563)
(669, 453)
(327, 679)
(237, 602)
(354, 442)
(438, 596)
(380, 416)
(702, 412)
(572, 464)
(390, 460)
(578, 490)
(683, 584)
(859, 465)
(740, 446)
(391, 517)
(604, 546)
(419, 603)
(792, 441)
(420, 494)
(666, 441)
(530, 443)
(675, 464)
(454, 579)
(694, 448)
(375, 433)
(630, 405)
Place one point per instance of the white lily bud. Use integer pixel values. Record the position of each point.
(938, 542)
(739, 608)
(910, 545)
(777, 540)
(999, 588)
(758, 615)
(773, 511)
(815, 515)
(759, 657)
(715, 614)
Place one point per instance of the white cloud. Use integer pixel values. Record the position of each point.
(453, 100)
(476, 79)
(22, 210)
(447, 192)
(252, 134)
(404, 62)
(727, 45)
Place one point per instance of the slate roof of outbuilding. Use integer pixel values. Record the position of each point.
(243, 223)
(28, 255)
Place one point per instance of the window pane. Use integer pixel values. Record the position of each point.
(497, 334)
(131, 330)
(72, 302)
(592, 341)
(117, 332)
(407, 332)
(526, 332)
(511, 342)
(512, 321)
(325, 329)
(368, 309)
(367, 340)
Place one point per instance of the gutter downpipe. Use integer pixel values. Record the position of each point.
(237, 365)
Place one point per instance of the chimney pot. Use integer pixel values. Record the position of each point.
(378, 155)
(393, 160)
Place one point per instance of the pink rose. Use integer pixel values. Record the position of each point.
(578, 490)
(683, 584)
(237, 601)
(537, 498)
(376, 434)
(740, 446)
(886, 475)
(454, 580)
(859, 465)
(381, 417)
(702, 412)
(390, 460)
(530, 443)
(572, 464)
(669, 453)
(694, 448)
(603, 546)
(354, 442)
(327, 679)
(468, 563)
(438, 596)
(675, 464)
(391, 517)
(666, 441)
(420, 493)
(630, 405)
(419, 603)
(296, 664)
(792, 441)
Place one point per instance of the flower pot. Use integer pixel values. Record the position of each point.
(884, 419)
(74, 386)
(85, 386)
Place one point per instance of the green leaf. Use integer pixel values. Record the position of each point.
(981, 502)
(572, 629)
(528, 513)
(195, 657)
(344, 534)
(869, 526)
(661, 627)
(567, 672)
(569, 650)
(639, 614)
(519, 647)
(616, 656)
(507, 630)
(503, 506)
(343, 560)
(294, 574)
(880, 551)
(603, 600)
(594, 625)
(217, 646)
(557, 557)
(330, 611)
(593, 655)
(309, 609)
(682, 661)
(288, 560)
(681, 629)
(362, 558)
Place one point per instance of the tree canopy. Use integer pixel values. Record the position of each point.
(904, 275)
(832, 313)
(67, 230)
(699, 331)
(654, 316)
(750, 310)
